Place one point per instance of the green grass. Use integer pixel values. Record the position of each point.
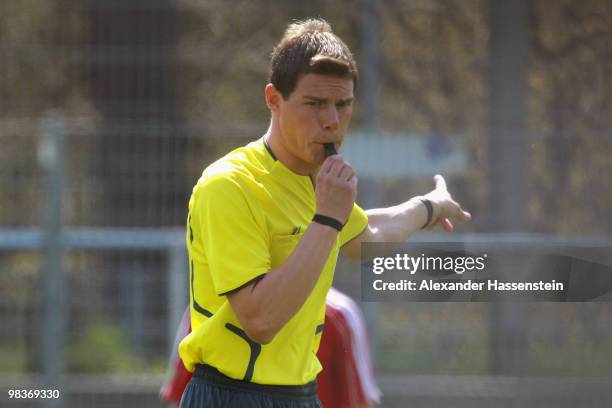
(571, 360)
(13, 359)
(104, 348)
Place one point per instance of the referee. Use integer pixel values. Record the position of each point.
(266, 223)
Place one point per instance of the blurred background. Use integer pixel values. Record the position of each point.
(110, 110)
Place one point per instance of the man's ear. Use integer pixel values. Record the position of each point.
(273, 98)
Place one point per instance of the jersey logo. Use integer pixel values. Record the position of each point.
(296, 230)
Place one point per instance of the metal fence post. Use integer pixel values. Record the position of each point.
(509, 169)
(178, 289)
(51, 160)
(370, 42)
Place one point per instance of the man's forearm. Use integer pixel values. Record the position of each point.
(265, 307)
(397, 223)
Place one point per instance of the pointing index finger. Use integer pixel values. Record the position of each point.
(440, 183)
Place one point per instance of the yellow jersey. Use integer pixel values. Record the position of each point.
(247, 213)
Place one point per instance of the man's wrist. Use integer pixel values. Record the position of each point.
(429, 208)
(328, 221)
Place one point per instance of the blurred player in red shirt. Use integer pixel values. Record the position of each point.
(178, 376)
(347, 379)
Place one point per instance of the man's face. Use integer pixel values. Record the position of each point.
(318, 111)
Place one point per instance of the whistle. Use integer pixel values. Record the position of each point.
(330, 150)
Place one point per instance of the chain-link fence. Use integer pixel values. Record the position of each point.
(110, 110)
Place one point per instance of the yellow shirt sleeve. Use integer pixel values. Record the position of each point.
(356, 224)
(232, 229)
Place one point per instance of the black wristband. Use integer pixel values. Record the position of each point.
(429, 207)
(329, 221)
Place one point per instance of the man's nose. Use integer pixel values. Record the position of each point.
(330, 119)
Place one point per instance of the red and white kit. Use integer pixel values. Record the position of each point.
(347, 378)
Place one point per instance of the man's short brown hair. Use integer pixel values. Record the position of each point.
(309, 47)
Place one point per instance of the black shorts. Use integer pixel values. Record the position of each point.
(210, 389)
